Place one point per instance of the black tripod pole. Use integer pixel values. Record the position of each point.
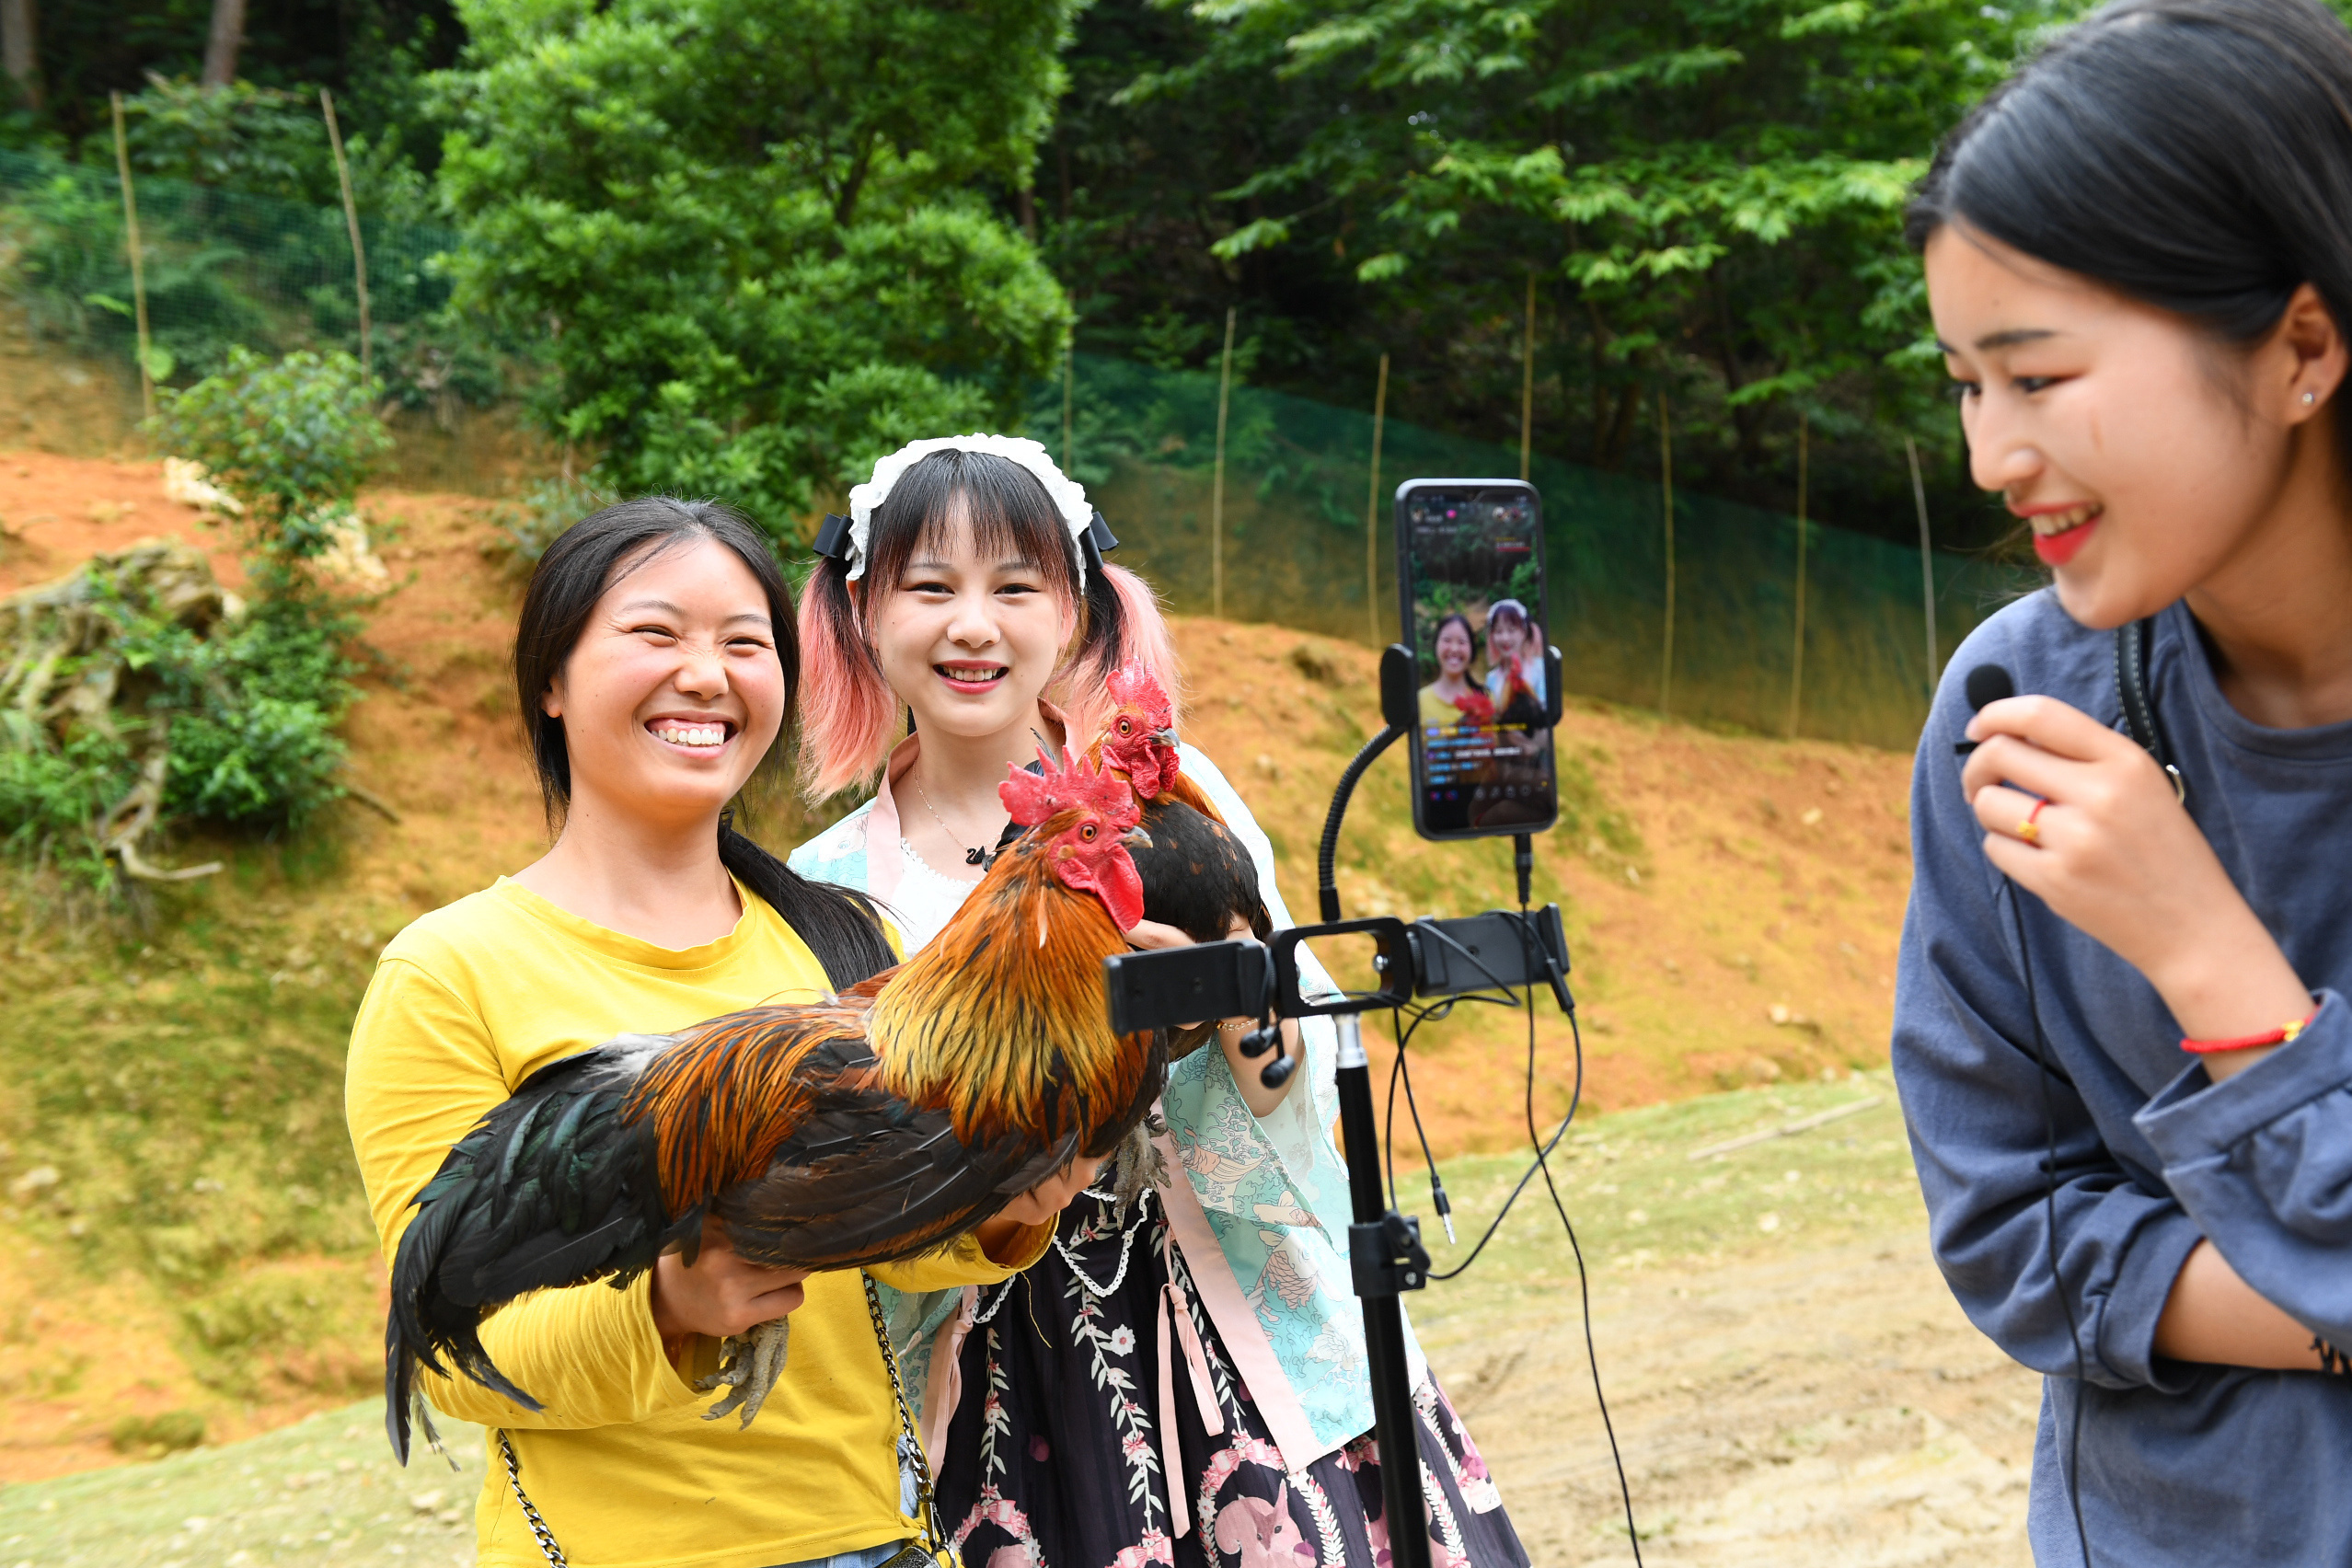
(1385, 1255)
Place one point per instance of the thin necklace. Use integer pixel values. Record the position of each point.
(973, 856)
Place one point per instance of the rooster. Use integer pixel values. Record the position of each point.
(871, 1127)
(1197, 875)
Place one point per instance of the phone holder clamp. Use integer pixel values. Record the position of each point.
(1387, 1257)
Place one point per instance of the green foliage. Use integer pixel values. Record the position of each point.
(743, 233)
(243, 708)
(238, 136)
(254, 711)
(138, 673)
(50, 794)
(292, 441)
(1715, 193)
(1706, 195)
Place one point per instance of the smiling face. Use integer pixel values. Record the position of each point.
(1506, 635)
(2148, 456)
(1453, 648)
(673, 692)
(969, 639)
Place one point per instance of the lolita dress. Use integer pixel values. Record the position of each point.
(1185, 1383)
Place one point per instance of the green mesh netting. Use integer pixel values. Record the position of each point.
(1297, 475)
(222, 268)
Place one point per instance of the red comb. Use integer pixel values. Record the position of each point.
(1033, 797)
(1135, 683)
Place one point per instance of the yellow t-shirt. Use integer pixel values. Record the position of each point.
(1436, 711)
(464, 1005)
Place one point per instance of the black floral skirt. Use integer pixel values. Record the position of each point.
(1058, 1456)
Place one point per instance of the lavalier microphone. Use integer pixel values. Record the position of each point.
(1986, 683)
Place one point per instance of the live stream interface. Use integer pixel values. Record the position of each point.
(1480, 628)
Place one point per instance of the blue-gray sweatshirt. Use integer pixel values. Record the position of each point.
(2180, 1463)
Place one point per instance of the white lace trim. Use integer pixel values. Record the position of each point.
(927, 898)
(1067, 495)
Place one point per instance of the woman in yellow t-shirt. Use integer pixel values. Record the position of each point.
(656, 667)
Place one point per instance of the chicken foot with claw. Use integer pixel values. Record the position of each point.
(748, 1368)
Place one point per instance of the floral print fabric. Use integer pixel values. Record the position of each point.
(1070, 1449)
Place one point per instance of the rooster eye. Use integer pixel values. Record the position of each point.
(1087, 833)
(1126, 727)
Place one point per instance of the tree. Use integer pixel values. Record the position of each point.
(221, 43)
(1706, 194)
(20, 48)
(740, 229)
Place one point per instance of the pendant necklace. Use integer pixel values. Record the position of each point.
(975, 856)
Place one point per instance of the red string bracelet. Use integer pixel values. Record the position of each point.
(2278, 1036)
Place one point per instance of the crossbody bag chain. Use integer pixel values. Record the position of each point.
(910, 1445)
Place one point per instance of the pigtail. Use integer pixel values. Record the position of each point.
(1124, 625)
(849, 714)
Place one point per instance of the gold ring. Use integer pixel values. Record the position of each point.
(2030, 830)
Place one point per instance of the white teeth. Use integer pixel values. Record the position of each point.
(693, 735)
(2053, 523)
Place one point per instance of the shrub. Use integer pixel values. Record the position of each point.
(292, 440)
(137, 691)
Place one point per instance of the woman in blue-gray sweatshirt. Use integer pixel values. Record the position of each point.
(2138, 256)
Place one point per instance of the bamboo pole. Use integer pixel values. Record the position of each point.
(1069, 374)
(1216, 496)
(1372, 509)
(1796, 660)
(1527, 382)
(1665, 459)
(138, 265)
(351, 220)
(1927, 565)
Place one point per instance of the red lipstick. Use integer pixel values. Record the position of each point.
(2057, 549)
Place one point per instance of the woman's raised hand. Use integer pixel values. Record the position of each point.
(2085, 820)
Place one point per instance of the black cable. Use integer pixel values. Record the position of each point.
(1544, 1148)
(2050, 1200)
(1583, 1285)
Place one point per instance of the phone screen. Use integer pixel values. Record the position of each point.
(1470, 569)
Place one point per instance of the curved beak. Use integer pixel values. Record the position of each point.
(1165, 737)
(1135, 838)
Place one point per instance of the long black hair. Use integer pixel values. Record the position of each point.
(840, 926)
(2195, 154)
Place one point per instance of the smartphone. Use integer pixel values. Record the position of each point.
(1470, 568)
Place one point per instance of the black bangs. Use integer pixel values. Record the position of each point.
(1009, 513)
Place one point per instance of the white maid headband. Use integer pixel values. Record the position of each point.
(845, 538)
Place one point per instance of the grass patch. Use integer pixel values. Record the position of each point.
(323, 1490)
(170, 1105)
(1639, 1201)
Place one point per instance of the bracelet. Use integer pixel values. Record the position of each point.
(2278, 1036)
